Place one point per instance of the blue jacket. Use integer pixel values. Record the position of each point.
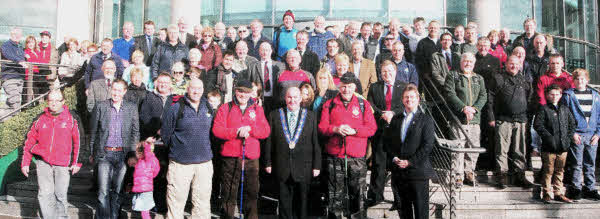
(407, 73)
(317, 43)
(93, 69)
(12, 51)
(188, 137)
(583, 126)
(123, 48)
(284, 40)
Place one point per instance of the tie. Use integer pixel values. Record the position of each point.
(104, 56)
(292, 123)
(448, 61)
(149, 42)
(388, 97)
(267, 78)
(108, 83)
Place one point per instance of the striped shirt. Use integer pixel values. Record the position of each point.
(585, 100)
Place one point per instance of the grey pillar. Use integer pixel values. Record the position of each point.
(486, 13)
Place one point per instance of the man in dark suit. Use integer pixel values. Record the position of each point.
(147, 43)
(310, 60)
(186, 38)
(293, 154)
(386, 99)
(265, 72)
(114, 131)
(409, 140)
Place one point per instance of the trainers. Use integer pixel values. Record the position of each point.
(470, 179)
(562, 198)
(574, 194)
(593, 195)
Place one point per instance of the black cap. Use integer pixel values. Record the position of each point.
(348, 78)
(243, 85)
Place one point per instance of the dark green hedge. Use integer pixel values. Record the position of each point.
(14, 130)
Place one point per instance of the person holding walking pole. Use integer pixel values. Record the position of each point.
(348, 122)
(240, 123)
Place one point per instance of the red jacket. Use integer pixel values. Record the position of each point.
(364, 125)
(211, 56)
(34, 56)
(227, 121)
(564, 81)
(500, 54)
(54, 138)
(45, 53)
(145, 171)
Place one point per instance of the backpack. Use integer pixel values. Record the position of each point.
(181, 101)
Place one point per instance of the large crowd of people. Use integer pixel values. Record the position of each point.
(322, 106)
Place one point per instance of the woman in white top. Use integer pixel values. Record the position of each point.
(70, 57)
(138, 62)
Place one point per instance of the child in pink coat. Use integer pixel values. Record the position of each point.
(146, 168)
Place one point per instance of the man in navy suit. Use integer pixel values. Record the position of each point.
(409, 140)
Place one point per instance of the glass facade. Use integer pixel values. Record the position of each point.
(575, 19)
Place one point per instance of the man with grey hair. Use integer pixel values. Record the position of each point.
(186, 128)
(317, 41)
(347, 39)
(13, 73)
(171, 51)
(466, 96)
(363, 69)
(220, 38)
(185, 37)
(197, 36)
(310, 60)
(256, 38)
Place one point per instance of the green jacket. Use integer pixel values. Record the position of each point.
(464, 91)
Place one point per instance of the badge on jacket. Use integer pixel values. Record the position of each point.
(355, 111)
(252, 114)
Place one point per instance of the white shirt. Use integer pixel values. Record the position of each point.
(408, 117)
(356, 69)
(269, 64)
(229, 84)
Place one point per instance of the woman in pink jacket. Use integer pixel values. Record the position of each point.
(146, 168)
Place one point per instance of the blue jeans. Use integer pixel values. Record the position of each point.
(583, 155)
(111, 171)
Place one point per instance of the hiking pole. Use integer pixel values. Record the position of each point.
(242, 183)
(346, 180)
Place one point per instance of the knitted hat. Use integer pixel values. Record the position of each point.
(289, 13)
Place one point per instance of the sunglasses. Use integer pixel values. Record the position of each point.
(206, 35)
(242, 31)
(178, 72)
(389, 38)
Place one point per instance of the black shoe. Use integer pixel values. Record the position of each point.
(574, 194)
(593, 195)
(501, 180)
(373, 202)
(393, 208)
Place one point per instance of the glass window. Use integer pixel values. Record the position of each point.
(133, 11)
(406, 11)
(456, 13)
(158, 11)
(514, 12)
(32, 16)
(358, 9)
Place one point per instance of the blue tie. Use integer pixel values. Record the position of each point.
(149, 42)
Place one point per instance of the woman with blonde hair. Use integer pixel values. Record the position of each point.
(137, 59)
(325, 89)
(308, 95)
(70, 57)
(496, 49)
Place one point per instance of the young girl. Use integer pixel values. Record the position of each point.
(146, 168)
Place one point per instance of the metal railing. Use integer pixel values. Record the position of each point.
(446, 151)
(36, 84)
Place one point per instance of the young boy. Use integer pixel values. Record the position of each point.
(555, 125)
(214, 99)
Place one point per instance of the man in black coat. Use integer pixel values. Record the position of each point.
(293, 154)
(146, 42)
(310, 60)
(409, 141)
(425, 49)
(386, 99)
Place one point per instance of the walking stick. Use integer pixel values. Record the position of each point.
(346, 180)
(242, 183)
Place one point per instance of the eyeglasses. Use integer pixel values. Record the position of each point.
(389, 38)
(92, 51)
(177, 72)
(206, 35)
(55, 101)
(242, 31)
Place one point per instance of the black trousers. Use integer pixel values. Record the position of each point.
(378, 171)
(293, 199)
(415, 198)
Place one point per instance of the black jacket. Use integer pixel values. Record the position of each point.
(142, 45)
(151, 111)
(376, 97)
(135, 94)
(487, 66)
(536, 66)
(509, 97)
(417, 146)
(423, 56)
(310, 62)
(555, 126)
(379, 60)
(166, 55)
(253, 49)
(300, 161)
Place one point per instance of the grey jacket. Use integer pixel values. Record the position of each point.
(98, 91)
(100, 125)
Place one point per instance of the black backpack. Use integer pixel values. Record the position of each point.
(361, 103)
(181, 102)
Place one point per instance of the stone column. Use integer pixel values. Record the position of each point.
(190, 10)
(486, 13)
(74, 23)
